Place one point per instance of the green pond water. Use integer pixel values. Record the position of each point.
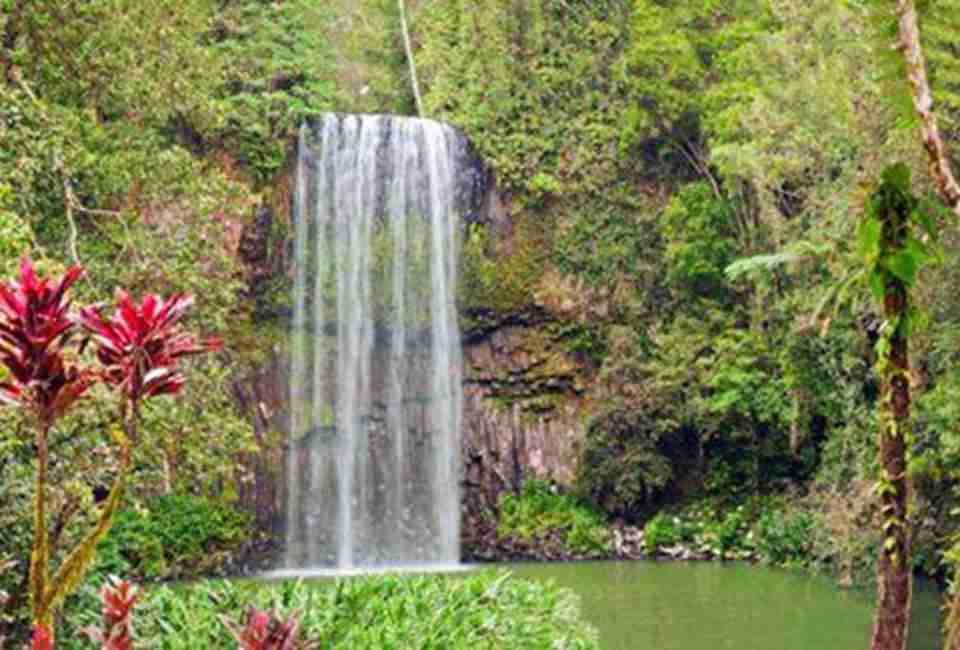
(713, 606)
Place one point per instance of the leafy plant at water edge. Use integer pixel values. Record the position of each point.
(661, 531)
(541, 509)
(481, 610)
(784, 538)
(626, 463)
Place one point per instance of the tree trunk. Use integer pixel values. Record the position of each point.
(953, 623)
(408, 48)
(946, 184)
(891, 621)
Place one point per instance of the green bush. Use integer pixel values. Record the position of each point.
(484, 610)
(663, 530)
(728, 533)
(541, 509)
(783, 537)
(699, 231)
(627, 464)
(175, 536)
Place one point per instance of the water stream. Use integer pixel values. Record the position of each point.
(372, 471)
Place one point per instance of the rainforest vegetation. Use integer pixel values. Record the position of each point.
(719, 230)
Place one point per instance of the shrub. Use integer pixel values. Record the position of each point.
(176, 536)
(726, 534)
(541, 509)
(138, 350)
(625, 466)
(266, 631)
(119, 598)
(784, 537)
(662, 530)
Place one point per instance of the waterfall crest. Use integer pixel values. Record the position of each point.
(375, 382)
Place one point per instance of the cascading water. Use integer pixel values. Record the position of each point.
(373, 471)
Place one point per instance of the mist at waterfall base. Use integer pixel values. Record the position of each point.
(375, 379)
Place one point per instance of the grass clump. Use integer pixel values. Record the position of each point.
(483, 610)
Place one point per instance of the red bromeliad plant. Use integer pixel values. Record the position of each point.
(266, 631)
(140, 347)
(35, 328)
(41, 639)
(139, 350)
(119, 598)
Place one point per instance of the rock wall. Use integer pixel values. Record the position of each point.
(523, 409)
(526, 392)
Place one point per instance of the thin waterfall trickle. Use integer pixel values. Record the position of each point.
(375, 386)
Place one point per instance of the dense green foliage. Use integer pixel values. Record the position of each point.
(764, 529)
(175, 536)
(486, 610)
(540, 511)
(694, 219)
(680, 183)
(172, 536)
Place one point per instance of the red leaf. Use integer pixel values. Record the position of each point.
(10, 394)
(119, 599)
(42, 639)
(35, 326)
(265, 631)
(140, 345)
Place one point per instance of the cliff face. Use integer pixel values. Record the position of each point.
(527, 387)
(524, 410)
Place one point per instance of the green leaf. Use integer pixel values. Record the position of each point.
(903, 264)
(868, 239)
(897, 175)
(918, 250)
(878, 284)
(925, 219)
(914, 321)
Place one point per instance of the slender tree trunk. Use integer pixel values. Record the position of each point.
(944, 182)
(953, 623)
(943, 178)
(40, 553)
(891, 621)
(408, 47)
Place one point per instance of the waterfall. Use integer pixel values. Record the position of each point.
(375, 380)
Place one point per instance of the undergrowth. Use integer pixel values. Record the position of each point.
(541, 510)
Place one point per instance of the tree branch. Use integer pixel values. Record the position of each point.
(70, 204)
(68, 208)
(909, 45)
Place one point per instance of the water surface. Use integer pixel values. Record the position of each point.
(714, 606)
